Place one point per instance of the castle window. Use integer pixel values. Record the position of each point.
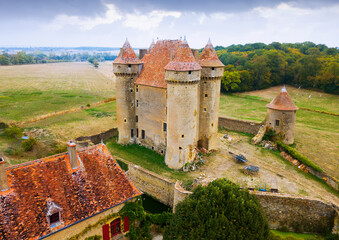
(152, 148)
(212, 68)
(137, 132)
(136, 88)
(143, 134)
(129, 65)
(212, 124)
(137, 103)
(205, 82)
(189, 72)
(115, 227)
(182, 136)
(132, 133)
(136, 118)
(54, 218)
(206, 95)
(277, 122)
(180, 148)
(204, 109)
(132, 104)
(131, 90)
(165, 127)
(162, 151)
(125, 120)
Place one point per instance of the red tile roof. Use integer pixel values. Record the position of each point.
(282, 102)
(98, 184)
(183, 60)
(151, 47)
(153, 73)
(209, 58)
(127, 55)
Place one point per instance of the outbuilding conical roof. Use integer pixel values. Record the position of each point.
(151, 47)
(209, 58)
(183, 59)
(127, 55)
(282, 102)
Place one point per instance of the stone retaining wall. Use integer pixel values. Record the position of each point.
(101, 136)
(239, 125)
(153, 184)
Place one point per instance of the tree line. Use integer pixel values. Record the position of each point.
(258, 66)
(40, 57)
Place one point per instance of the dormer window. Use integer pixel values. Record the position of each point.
(53, 214)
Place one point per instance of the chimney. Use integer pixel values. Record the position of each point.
(172, 55)
(3, 175)
(72, 154)
(142, 53)
(195, 53)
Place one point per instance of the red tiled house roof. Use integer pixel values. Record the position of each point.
(153, 73)
(282, 102)
(127, 55)
(209, 58)
(96, 185)
(183, 60)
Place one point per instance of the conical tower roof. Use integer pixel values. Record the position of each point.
(183, 59)
(282, 102)
(209, 58)
(127, 55)
(151, 47)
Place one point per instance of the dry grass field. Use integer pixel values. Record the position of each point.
(316, 134)
(32, 90)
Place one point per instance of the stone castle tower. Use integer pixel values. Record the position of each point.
(126, 68)
(280, 117)
(169, 100)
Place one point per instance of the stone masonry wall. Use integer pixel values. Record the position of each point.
(101, 136)
(298, 214)
(157, 186)
(239, 125)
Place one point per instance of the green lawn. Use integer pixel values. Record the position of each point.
(297, 236)
(146, 158)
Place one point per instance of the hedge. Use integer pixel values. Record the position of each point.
(301, 158)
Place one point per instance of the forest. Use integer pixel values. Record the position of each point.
(258, 66)
(22, 57)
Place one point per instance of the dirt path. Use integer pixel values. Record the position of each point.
(274, 171)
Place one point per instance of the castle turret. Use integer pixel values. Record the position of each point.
(126, 68)
(211, 74)
(182, 75)
(280, 116)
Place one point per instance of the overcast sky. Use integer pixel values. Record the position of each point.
(106, 23)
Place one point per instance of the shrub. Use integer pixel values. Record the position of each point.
(28, 144)
(14, 132)
(95, 237)
(270, 135)
(219, 211)
(296, 155)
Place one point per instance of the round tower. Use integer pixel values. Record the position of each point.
(126, 68)
(182, 75)
(280, 116)
(211, 74)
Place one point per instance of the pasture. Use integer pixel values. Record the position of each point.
(28, 91)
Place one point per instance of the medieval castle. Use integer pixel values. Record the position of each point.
(168, 100)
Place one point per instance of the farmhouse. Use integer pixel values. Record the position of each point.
(59, 196)
(169, 99)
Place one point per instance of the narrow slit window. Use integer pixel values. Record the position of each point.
(182, 136)
(143, 134)
(136, 118)
(131, 90)
(180, 148)
(137, 88)
(189, 72)
(132, 133)
(165, 127)
(205, 109)
(137, 132)
(277, 123)
(137, 103)
(206, 95)
(125, 120)
(129, 65)
(212, 68)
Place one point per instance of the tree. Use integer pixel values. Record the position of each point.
(219, 211)
(4, 60)
(230, 80)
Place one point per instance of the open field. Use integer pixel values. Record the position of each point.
(32, 90)
(316, 134)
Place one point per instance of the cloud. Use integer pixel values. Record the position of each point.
(149, 21)
(282, 9)
(111, 15)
